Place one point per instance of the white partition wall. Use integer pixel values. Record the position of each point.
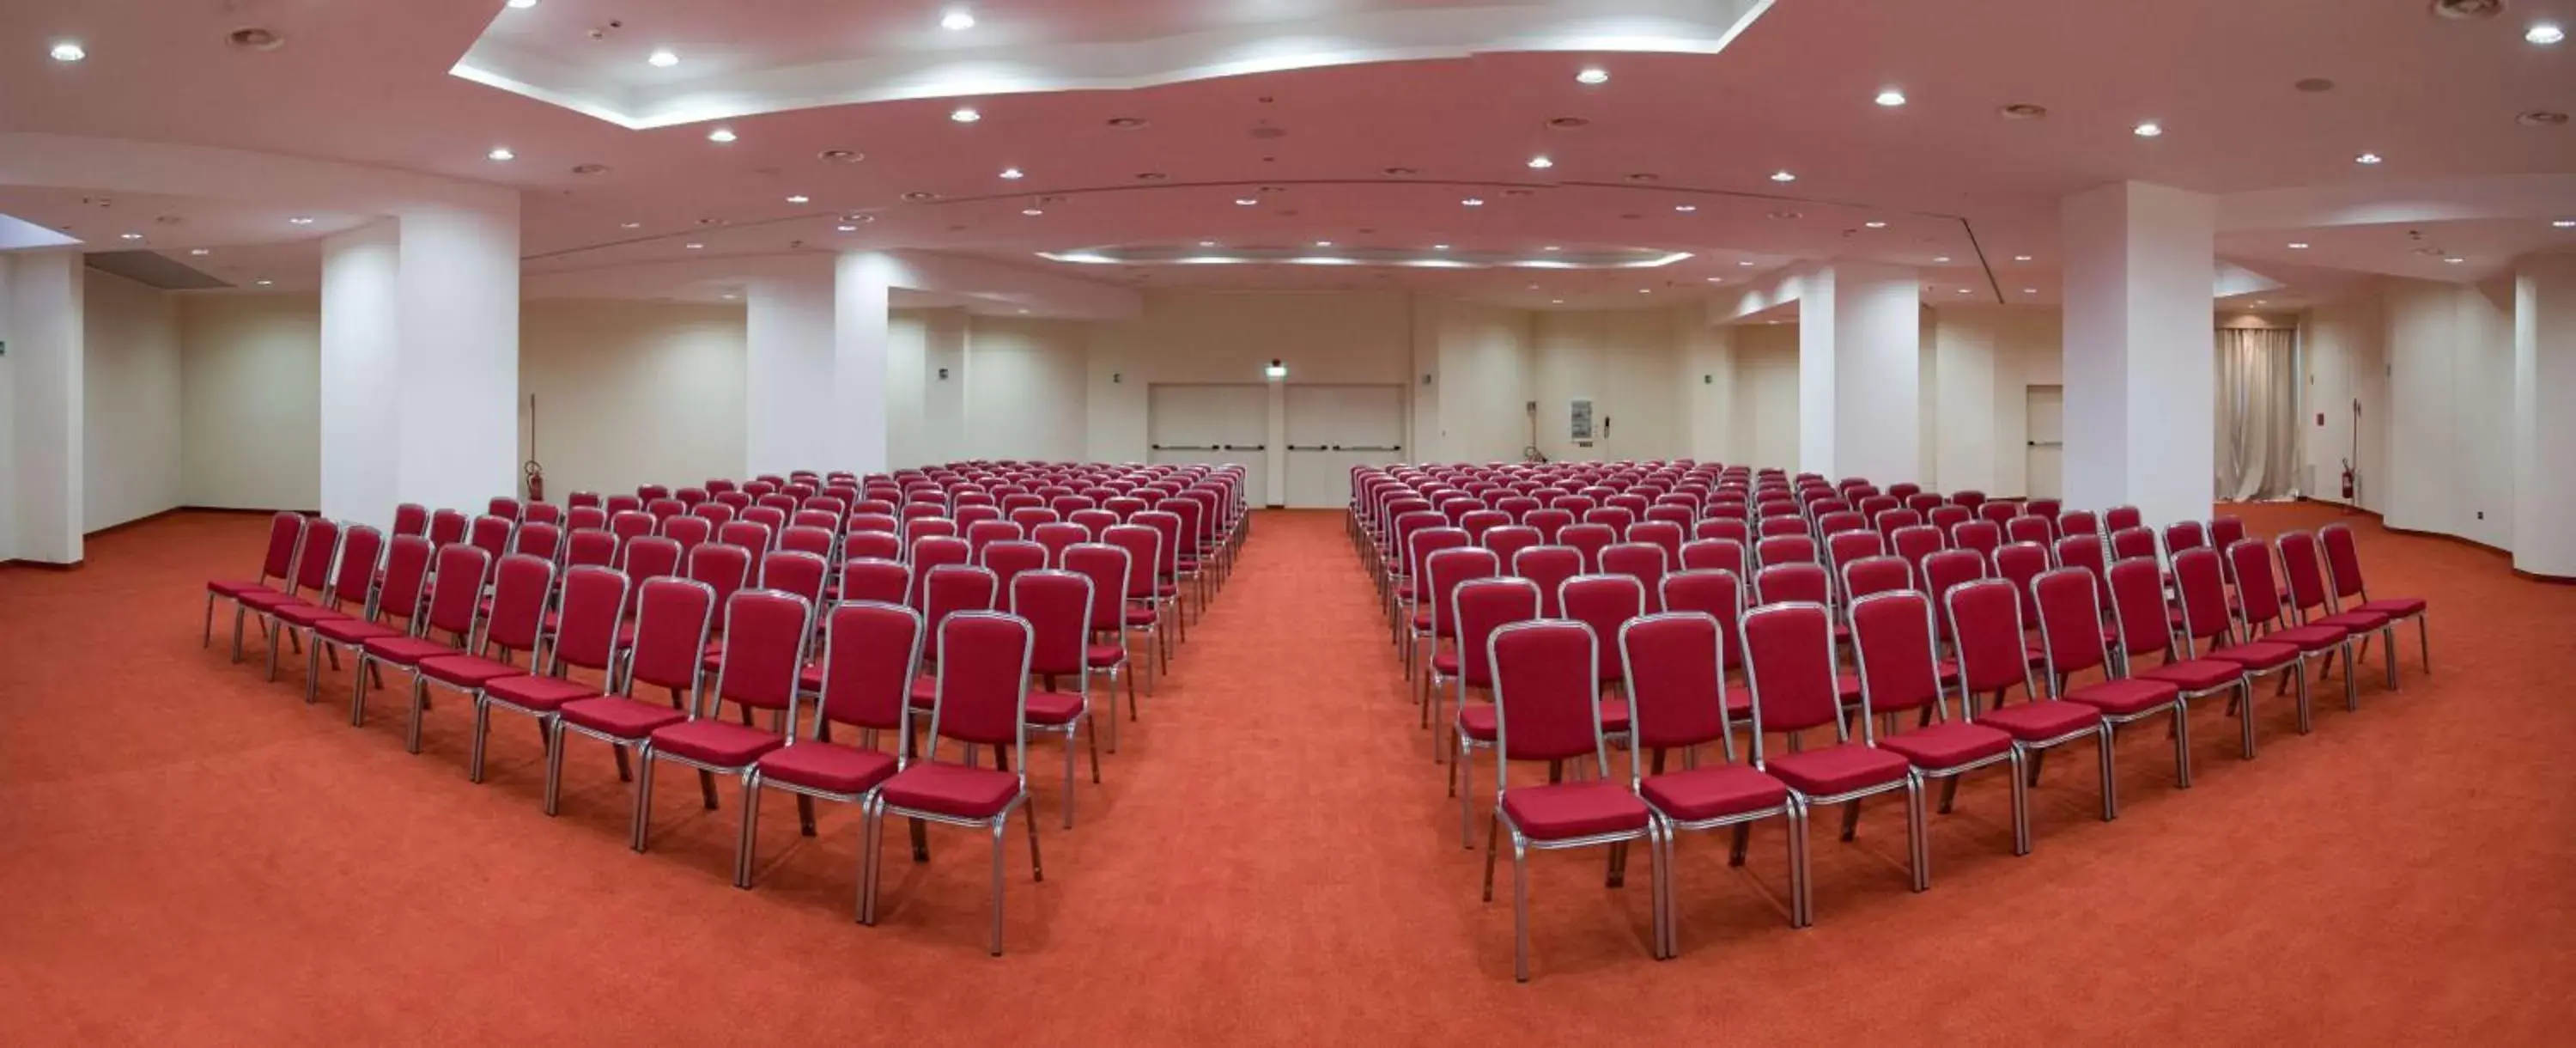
(1328, 430)
(41, 321)
(2544, 416)
(2140, 374)
(787, 372)
(1212, 423)
(1860, 349)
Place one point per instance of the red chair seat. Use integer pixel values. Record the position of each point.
(1739, 701)
(2395, 607)
(1614, 716)
(1838, 769)
(1140, 616)
(406, 651)
(1445, 663)
(1422, 621)
(541, 694)
(1477, 721)
(223, 588)
(1947, 745)
(262, 600)
(2309, 638)
(811, 678)
(2036, 721)
(619, 716)
(2122, 698)
(1715, 792)
(1104, 655)
(2356, 622)
(1053, 707)
(307, 614)
(2258, 655)
(1566, 810)
(925, 693)
(952, 790)
(822, 766)
(716, 742)
(468, 671)
(2195, 675)
(354, 631)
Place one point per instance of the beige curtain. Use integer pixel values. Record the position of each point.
(2258, 425)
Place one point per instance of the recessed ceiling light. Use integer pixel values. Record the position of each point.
(1245, 201)
(2261, 301)
(1964, 291)
(965, 115)
(2150, 129)
(2541, 118)
(800, 198)
(1645, 291)
(846, 228)
(502, 153)
(2298, 245)
(130, 236)
(957, 18)
(301, 220)
(2021, 111)
(721, 134)
(263, 283)
(1686, 208)
(1323, 243)
(2021, 258)
(2563, 223)
(664, 57)
(1474, 201)
(1891, 97)
(1940, 258)
(1541, 163)
(1012, 172)
(1875, 224)
(1207, 243)
(1783, 176)
(201, 251)
(630, 225)
(1592, 75)
(523, 4)
(2544, 33)
(2030, 291)
(693, 247)
(1717, 280)
(2454, 259)
(1746, 262)
(1033, 211)
(730, 296)
(2366, 158)
(1556, 302)
(1551, 247)
(67, 51)
(1439, 247)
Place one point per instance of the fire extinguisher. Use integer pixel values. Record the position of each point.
(536, 474)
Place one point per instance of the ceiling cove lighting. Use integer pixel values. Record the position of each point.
(2563, 223)
(965, 115)
(1012, 173)
(2150, 129)
(1891, 98)
(721, 135)
(502, 153)
(2544, 33)
(1541, 163)
(2366, 158)
(68, 51)
(1592, 75)
(1783, 176)
(663, 58)
(957, 19)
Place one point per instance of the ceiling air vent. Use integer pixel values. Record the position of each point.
(2465, 10)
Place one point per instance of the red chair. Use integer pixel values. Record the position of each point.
(875, 579)
(1731, 529)
(715, 513)
(1948, 518)
(2036, 530)
(2021, 564)
(982, 700)
(2074, 522)
(1870, 575)
(1588, 539)
(1900, 671)
(1548, 567)
(1789, 664)
(1662, 534)
(1784, 549)
(1107, 567)
(1480, 607)
(630, 525)
(1057, 607)
(1783, 527)
(2312, 604)
(1008, 558)
(2070, 626)
(2121, 518)
(1968, 500)
(764, 658)
(2262, 612)
(1837, 523)
(1792, 582)
(2343, 569)
(584, 636)
(1986, 624)
(2200, 579)
(1675, 667)
(397, 594)
(664, 509)
(412, 518)
(1145, 594)
(2185, 534)
(1549, 522)
(1508, 540)
(1924, 502)
(2131, 543)
(689, 532)
(276, 571)
(673, 618)
(309, 574)
(1981, 536)
(344, 596)
(1605, 603)
(871, 654)
(984, 533)
(1434, 620)
(1404, 625)
(727, 569)
(513, 625)
(455, 607)
(1056, 536)
(1713, 555)
(2084, 553)
(2226, 531)
(1644, 562)
(1544, 675)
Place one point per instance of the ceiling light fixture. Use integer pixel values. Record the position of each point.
(1891, 98)
(1783, 176)
(957, 18)
(201, 251)
(1207, 243)
(846, 228)
(1592, 75)
(2021, 258)
(1012, 173)
(2454, 259)
(800, 198)
(523, 4)
(2298, 245)
(1323, 243)
(1275, 369)
(965, 115)
(721, 134)
(1875, 224)
(1245, 201)
(1686, 208)
(693, 247)
(1965, 291)
(1439, 247)
(2563, 223)
(630, 225)
(68, 51)
(2544, 33)
(2030, 291)
(130, 236)
(1556, 302)
(1746, 262)
(1940, 258)
(1033, 212)
(1541, 163)
(2150, 129)
(263, 283)
(300, 220)
(663, 58)
(1473, 202)
(502, 153)
(2366, 158)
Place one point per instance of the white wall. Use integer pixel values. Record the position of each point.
(1023, 382)
(2450, 413)
(1766, 395)
(632, 392)
(1623, 361)
(251, 401)
(1218, 337)
(1985, 359)
(131, 402)
(1480, 363)
(2346, 348)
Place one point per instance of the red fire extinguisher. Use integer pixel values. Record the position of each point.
(2352, 480)
(536, 474)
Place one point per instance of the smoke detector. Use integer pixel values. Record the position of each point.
(255, 38)
(590, 169)
(2021, 111)
(841, 156)
(2468, 10)
(2542, 118)
(920, 196)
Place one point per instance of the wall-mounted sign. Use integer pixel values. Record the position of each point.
(1579, 421)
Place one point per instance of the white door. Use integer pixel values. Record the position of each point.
(2046, 423)
(1333, 428)
(1213, 424)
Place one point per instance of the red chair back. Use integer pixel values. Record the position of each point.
(1984, 617)
(796, 571)
(2200, 577)
(360, 550)
(2079, 522)
(1550, 523)
(1144, 550)
(1546, 694)
(1779, 583)
(1482, 606)
(2343, 561)
(715, 513)
(880, 579)
(519, 595)
(689, 532)
(456, 601)
(2226, 531)
(2258, 591)
(1107, 568)
(1713, 555)
(412, 518)
(1870, 575)
(1094, 522)
(672, 619)
(814, 540)
(2070, 621)
(1789, 666)
(1893, 643)
(651, 557)
(871, 655)
(1007, 559)
(2084, 552)
(2035, 530)
(630, 525)
(1548, 567)
(1057, 607)
(2133, 542)
(310, 569)
(950, 589)
(1604, 603)
(593, 604)
(983, 682)
(871, 544)
(586, 518)
(2185, 534)
(1717, 594)
(2138, 608)
(1981, 536)
(2301, 568)
(1947, 569)
(1663, 534)
(1785, 549)
(2122, 518)
(725, 569)
(2020, 564)
(1642, 561)
(1675, 666)
(1443, 571)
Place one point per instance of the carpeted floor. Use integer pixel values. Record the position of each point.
(191, 855)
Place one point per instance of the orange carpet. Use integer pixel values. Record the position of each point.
(191, 855)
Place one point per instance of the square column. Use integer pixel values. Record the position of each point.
(40, 406)
(787, 372)
(2544, 416)
(1860, 373)
(2140, 365)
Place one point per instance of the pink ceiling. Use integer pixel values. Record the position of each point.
(369, 83)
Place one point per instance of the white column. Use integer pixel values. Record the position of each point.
(420, 363)
(947, 435)
(788, 373)
(40, 390)
(2544, 415)
(2140, 382)
(1860, 366)
(861, 289)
